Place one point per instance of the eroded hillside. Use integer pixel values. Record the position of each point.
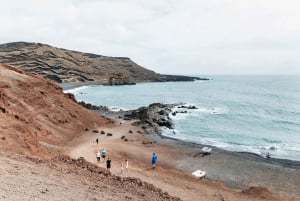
(36, 121)
(35, 112)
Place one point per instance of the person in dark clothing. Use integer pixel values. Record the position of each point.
(97, 140)
(108, 164)
(268, 156)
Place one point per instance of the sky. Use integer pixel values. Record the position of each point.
(191, 37)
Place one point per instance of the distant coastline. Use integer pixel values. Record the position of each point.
(170, 78)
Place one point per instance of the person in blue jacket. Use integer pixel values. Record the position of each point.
(154, 160)
(103, 154)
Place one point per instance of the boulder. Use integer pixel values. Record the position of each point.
(153, 117)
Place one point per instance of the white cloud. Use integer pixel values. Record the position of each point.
(170, 36)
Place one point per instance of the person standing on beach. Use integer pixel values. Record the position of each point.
(103, 154)
(126, 164)
(154, 160)
(98, 155)
(108, 164)
(122, 168)
(97, 141)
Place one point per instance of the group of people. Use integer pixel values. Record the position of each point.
(103, 154)
(126, 166)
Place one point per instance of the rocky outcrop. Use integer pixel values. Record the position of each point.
(118, 79)
(178, 78)
(63, 66)
(90, 106)
(157, 115)
(153, 117)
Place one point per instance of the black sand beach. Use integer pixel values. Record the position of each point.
(73, 85)
(235, 169)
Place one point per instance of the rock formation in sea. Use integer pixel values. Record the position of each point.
(62, 66)
(157, 115)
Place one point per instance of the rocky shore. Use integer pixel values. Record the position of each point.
(150, 118)
(156, 116)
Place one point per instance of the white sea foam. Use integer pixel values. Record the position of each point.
(276, 151)
(117, 109)
(233, 113)
(214, 110)
(76, 90)
(184, 113)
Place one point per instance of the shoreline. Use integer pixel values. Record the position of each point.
(227, 173)
(238, 170)
(250, 155)
(116, 114)
(73, 85)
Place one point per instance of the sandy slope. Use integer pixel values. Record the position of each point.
(62, 179)
(35, 112)
(38, 120)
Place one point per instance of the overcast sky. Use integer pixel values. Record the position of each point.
(167, 36)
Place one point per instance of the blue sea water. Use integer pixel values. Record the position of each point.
(257, 114)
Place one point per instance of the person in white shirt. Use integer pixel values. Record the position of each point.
(126, 165)
(98, 155)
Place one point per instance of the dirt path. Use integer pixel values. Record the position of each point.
(138, 150)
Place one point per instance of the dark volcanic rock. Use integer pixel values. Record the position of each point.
(153, 117)
(176, 78)
(157, 115)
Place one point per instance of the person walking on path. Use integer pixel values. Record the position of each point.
(154, 160)
(98, 155)
(103, 154)
(97, 141)
(126, 164)
(122, 168)
(108, 164)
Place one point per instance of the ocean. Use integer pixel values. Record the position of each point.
(257, 114)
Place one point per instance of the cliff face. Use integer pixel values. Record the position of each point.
(35, 113)
(63, 65)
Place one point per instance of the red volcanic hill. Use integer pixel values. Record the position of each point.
(35, 113)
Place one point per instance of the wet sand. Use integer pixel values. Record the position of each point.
(238, 170)
(73, 85)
